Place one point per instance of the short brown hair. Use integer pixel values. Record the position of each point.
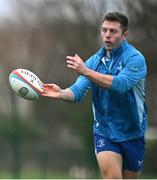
(119, 17)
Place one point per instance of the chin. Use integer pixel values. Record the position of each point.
(108, 48)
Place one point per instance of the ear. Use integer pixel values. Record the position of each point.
(125, 35)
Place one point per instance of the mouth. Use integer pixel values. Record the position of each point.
(108, 45)
(108, 42)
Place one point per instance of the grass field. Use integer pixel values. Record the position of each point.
(36, 174)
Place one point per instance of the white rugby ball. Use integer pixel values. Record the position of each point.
(26, 84)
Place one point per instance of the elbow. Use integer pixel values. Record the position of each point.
(120, 86)
(119, 90)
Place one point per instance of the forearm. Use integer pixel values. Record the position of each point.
(100, 79)
(67, 95)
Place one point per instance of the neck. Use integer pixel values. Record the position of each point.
(117, 47)
(108, 53)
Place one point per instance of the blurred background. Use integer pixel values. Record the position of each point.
(53, 139)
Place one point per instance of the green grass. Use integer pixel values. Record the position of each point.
(35, 174)
(148, 176)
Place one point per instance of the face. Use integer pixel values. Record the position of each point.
(112, 34)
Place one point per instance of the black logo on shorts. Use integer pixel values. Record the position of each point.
(23, 91)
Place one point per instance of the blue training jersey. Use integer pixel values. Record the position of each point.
(120, 111)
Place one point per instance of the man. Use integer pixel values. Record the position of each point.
(116, 74)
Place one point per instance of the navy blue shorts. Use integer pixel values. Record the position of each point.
(132, 151)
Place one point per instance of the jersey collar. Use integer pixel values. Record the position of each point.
(102, 52)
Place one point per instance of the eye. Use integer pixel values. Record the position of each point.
(113, 31)
(104, 30)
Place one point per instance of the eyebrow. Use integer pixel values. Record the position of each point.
(109, 28)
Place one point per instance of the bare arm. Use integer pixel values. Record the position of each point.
(55, 92)
(76, 63)
(100, 79)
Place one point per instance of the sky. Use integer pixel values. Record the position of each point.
(6, 8)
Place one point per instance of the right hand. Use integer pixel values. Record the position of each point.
(52, 90)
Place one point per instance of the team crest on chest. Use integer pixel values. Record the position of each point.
(120, 66)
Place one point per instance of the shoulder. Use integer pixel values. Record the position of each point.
(131, 54)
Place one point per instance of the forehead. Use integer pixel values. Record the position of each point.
(111, 24)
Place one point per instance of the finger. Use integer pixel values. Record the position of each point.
(44, 95)
(70, 58)
(71, 66)
(71, 62)
(48, 85)
(45, 91)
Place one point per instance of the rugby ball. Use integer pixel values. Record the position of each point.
(26, 84)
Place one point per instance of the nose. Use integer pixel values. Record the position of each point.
(108, 34)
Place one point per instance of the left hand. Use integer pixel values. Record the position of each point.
(77, 64)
